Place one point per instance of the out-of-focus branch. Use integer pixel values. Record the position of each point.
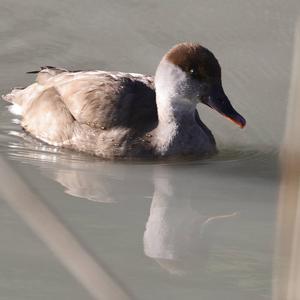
(287, 258)
(51, 230)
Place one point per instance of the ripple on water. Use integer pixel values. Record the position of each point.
(23, 147)
(19, 146)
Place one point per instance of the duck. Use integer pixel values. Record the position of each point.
(119, 115)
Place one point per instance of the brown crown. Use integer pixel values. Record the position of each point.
(195, 60)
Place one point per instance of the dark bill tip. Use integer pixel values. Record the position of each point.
(238, 120)
(218, 101)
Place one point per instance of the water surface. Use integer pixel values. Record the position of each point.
(185, 230)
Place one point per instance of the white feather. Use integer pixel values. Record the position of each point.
(16, 109)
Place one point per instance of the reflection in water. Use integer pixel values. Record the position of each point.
(175, 235)
(85, 184)
(175, 232)
(74, 171)
(84, 180)
(190, 226)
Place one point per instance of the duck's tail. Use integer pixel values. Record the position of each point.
(21, 98)
(15, 97)
(12, 96)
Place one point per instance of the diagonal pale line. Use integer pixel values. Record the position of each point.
(287, 256)
(51, 230)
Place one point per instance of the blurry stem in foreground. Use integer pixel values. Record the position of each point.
(286, 285)
(64, 245)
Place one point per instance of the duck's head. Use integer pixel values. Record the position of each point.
(191, 73)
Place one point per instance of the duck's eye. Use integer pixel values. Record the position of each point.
(192, 72)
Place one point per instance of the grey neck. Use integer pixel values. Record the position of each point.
(176, 112)
(176, 120)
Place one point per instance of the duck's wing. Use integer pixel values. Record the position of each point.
(97, 99)
(102, 99)
(49, 119)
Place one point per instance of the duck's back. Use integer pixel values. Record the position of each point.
(102, 99)
(97, 112)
